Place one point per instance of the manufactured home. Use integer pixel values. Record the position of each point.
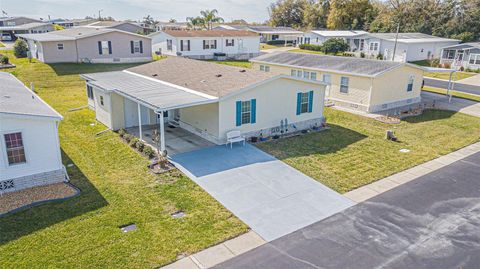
(466, 55)
(89, 45)
(207, 44)
(354, 83)
(192, 103)
(29, 143)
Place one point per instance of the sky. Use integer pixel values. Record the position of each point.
(163, 10)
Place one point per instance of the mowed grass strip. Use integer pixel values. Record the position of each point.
(354, 152)
(463, 95)
(117, 189)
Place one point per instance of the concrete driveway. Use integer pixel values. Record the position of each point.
(430, 222)
(456, 104)
(269, 196)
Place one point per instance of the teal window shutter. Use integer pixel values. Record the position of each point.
(299, 103)
(239, 113)
(310, 102)
(253, 110)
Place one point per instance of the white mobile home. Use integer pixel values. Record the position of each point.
(206, 44)
(88, 44)
(267, 33)
(354, 38)
(29, 144)
(205, 99)
(466, 55)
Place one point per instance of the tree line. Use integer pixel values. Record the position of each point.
(459, 19)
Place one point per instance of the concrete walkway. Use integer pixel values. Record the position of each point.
(272, 198)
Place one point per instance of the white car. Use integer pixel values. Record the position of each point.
(6, 37)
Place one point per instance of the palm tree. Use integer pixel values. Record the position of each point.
(194, 22)
(210, 17)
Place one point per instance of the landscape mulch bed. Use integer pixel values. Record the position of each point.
(13, 201)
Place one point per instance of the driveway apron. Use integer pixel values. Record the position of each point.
(271, 197)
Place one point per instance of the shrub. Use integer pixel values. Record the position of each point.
(133, 142)
(140, 145)
(362, 54)
(348, 54)
(279, 42)
(447, 65)
(335, 45)
(462, 68)
(122, 132)
(4, 59)
(379, 56)
(128, 137)
(310, 47)
(20, 48)
(434, 62)
(149, 152)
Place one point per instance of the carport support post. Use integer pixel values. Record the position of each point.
(162, 133)
(140, 122)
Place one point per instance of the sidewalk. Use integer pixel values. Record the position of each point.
(219, 253)
(368, 191)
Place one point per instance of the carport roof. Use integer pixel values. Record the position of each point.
(148, 91)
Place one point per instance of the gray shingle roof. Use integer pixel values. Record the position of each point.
(205, 77)
(147, 91)
(468, 45)
(15, 98)
(410, 37)
(71, 34)
(352, 65)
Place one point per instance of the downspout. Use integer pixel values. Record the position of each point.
(76, 50)
(370, 95)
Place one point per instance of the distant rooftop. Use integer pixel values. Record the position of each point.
(205, 77)
(70, 34)
(16, 98)
(111, 23)
(261, 29)
(208, 33)
(26, 26)
(341, 33)
(469, 45)
(360, 66)
(411, 37)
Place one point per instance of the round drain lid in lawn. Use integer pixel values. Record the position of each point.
(178, 215)
(128, 227)
(404, 150)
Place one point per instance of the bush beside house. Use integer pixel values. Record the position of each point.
(20, 48)
(136, 143)
(331, 46)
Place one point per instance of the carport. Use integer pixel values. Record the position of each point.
(145, 96)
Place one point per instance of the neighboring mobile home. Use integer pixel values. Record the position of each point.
(410, 46)
(92, 45)
(11, 26)
(267, 33)
(205, 99)
(354, 38)
(355, 83)
(206, 44)
(126, 26)
(466, 55)
(29, 144)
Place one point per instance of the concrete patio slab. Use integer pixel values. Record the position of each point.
(269, 196)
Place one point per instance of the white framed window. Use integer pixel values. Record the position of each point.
(262, 67)
(293, 73)
(136, 46)
(15, 148)
(410, 83)
(101, 100)
(306, 74)
(105, 48)
(169, 44)
(299, 73)
(209, 44)
(327, 78)
(267, 68)
(184, 45)
(304, 103)
(374, 46)
(90, 92)
(229, 42)
(344, 83)
(313, 76)
(475, 59)
(60, 46)
(449, 54)
(246, 112)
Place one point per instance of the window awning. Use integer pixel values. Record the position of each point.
(150, 92)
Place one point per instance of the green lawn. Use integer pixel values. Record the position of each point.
(459, 76)
(462, 95)
(264, 46)
(117, 189)
(242, 64)
(354, 152)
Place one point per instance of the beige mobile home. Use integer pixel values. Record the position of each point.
(87, 44)
(355, 83)
(206, 100)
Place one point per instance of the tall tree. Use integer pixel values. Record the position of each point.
(288, 13)
(315, 14)
(210, 17)
(351, 14)
(195, 22)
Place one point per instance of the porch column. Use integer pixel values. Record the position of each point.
(162, 133)
(140, 121)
